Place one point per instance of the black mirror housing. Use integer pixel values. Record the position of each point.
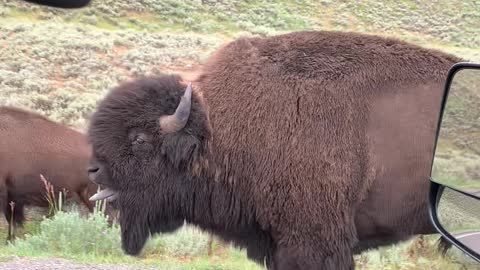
(456, 195)
(67, 4)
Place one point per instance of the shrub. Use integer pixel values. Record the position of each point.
(187, 241)
(68, 234)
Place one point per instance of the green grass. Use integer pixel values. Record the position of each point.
(64, 76)
(89, 240)
(445, 21)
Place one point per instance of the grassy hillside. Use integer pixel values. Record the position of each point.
(62, 62)
(443, 21)
(91, 241)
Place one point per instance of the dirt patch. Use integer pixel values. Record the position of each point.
(61, 264)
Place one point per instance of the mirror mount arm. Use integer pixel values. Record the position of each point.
(435, 193)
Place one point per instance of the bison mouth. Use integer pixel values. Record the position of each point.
(107, 194)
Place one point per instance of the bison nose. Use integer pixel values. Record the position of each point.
(93, 172)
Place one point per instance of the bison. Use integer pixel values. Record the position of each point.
(304, 148)
(32, 145)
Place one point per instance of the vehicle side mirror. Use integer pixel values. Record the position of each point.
(61, 3)
(455, 175)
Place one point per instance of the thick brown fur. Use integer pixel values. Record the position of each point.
(305, 148)
(30, 145)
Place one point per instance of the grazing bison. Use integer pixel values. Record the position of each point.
(31, 145)
(304, 148)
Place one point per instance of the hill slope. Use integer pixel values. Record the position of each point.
(61, 62)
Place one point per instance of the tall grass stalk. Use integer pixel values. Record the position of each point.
(53, 206)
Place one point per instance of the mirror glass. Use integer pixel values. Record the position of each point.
(457, 156)
(459, 215)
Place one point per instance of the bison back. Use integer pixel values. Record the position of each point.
(291, 116)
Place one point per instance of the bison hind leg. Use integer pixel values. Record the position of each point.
(14, 219)
(443, 245)
(18, 214)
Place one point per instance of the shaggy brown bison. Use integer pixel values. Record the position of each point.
(304, 148)
(30, 145)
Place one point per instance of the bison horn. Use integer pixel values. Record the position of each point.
(178, 120)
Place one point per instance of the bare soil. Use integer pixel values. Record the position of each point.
(62, 264)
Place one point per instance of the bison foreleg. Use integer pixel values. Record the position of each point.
(83, 195)
(310, 258)
(326, 246)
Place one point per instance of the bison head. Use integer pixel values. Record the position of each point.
(147, 135)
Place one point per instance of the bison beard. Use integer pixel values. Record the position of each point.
(140, 218)
(303, 148)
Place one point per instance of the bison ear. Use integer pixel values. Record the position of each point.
(181, 149)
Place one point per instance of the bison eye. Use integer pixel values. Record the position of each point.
(139, 140)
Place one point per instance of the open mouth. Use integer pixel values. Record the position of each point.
(107, 194)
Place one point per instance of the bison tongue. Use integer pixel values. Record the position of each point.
(112, 198)
(106, 193)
